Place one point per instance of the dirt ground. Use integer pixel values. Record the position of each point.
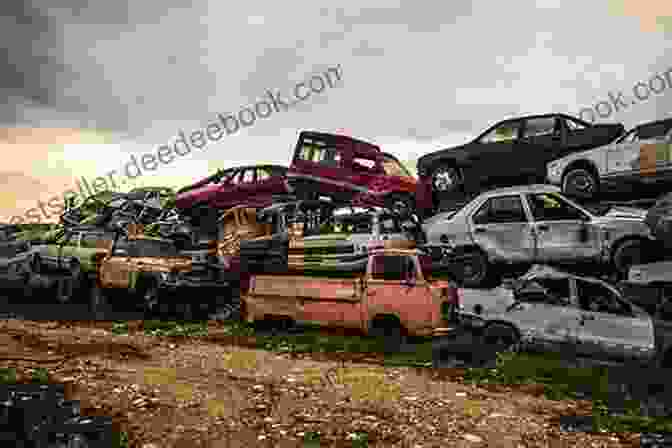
(215, 392)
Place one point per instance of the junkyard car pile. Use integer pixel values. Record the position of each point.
(336, 238)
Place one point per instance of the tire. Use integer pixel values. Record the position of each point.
(69, 288)
(476, 270)
(580, 183)
(389, 332)
(149, 297)
(98, 302)
(402, 203)
(626, 254)
(499, 338)
(446, 179)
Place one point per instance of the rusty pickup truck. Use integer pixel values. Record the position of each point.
(393, 299)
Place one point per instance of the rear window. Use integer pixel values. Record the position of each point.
(393, 267)
(320, 152)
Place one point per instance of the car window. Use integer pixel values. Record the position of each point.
(551, 291)
(393, 268)
(394, 168)
(537, 127)
(248, 176)
(504, 132)
(654, 130)
(237, 177)
(551, 207)
(574, 125)
(500, 210)
(600, 299)
(263, 174)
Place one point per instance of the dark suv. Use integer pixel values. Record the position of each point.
(349, 171)
(511, 152)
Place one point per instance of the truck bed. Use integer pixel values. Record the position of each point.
(291, 286)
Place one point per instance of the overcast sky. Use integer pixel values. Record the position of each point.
(108, 79)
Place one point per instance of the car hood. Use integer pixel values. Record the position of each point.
(492, 301)
(619, 213)
(455, 151)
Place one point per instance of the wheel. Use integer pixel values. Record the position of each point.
(98, 302)
(149, 296)
(476, 270)
(626, 254)
(389, 332)
(499, 338)
(401, 203)
(68, 288)
(580, 183)
(446, 179)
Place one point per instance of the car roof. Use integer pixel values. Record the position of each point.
(264, 165)
(534, 188)
(361, 145)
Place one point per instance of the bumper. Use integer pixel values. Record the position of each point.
(341, 266)
(194, 283)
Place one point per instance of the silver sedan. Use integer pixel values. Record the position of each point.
(535, 224)
(552, 311)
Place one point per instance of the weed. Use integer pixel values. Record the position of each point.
(7, 376)
(359, 439)
(311, 439)
(40, 375)
(171, 328)
(120, 328)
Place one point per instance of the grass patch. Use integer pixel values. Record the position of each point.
(119, 328)
(7, 376)
(173, 328)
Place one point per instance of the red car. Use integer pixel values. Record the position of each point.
(254, 186)
(349, 170)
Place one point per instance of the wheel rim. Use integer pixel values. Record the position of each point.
(444, 179)
(582, 183)
(150, 298)
(473, 269)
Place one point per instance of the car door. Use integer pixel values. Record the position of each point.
(622, 158)
(494, 157)
(561, 230)
(325, 166)
(546, 316)
(581, 135)
(394, 286)
(610, 329)
(655, 145)
(501, 227)
(327, 301)
(541, 141)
